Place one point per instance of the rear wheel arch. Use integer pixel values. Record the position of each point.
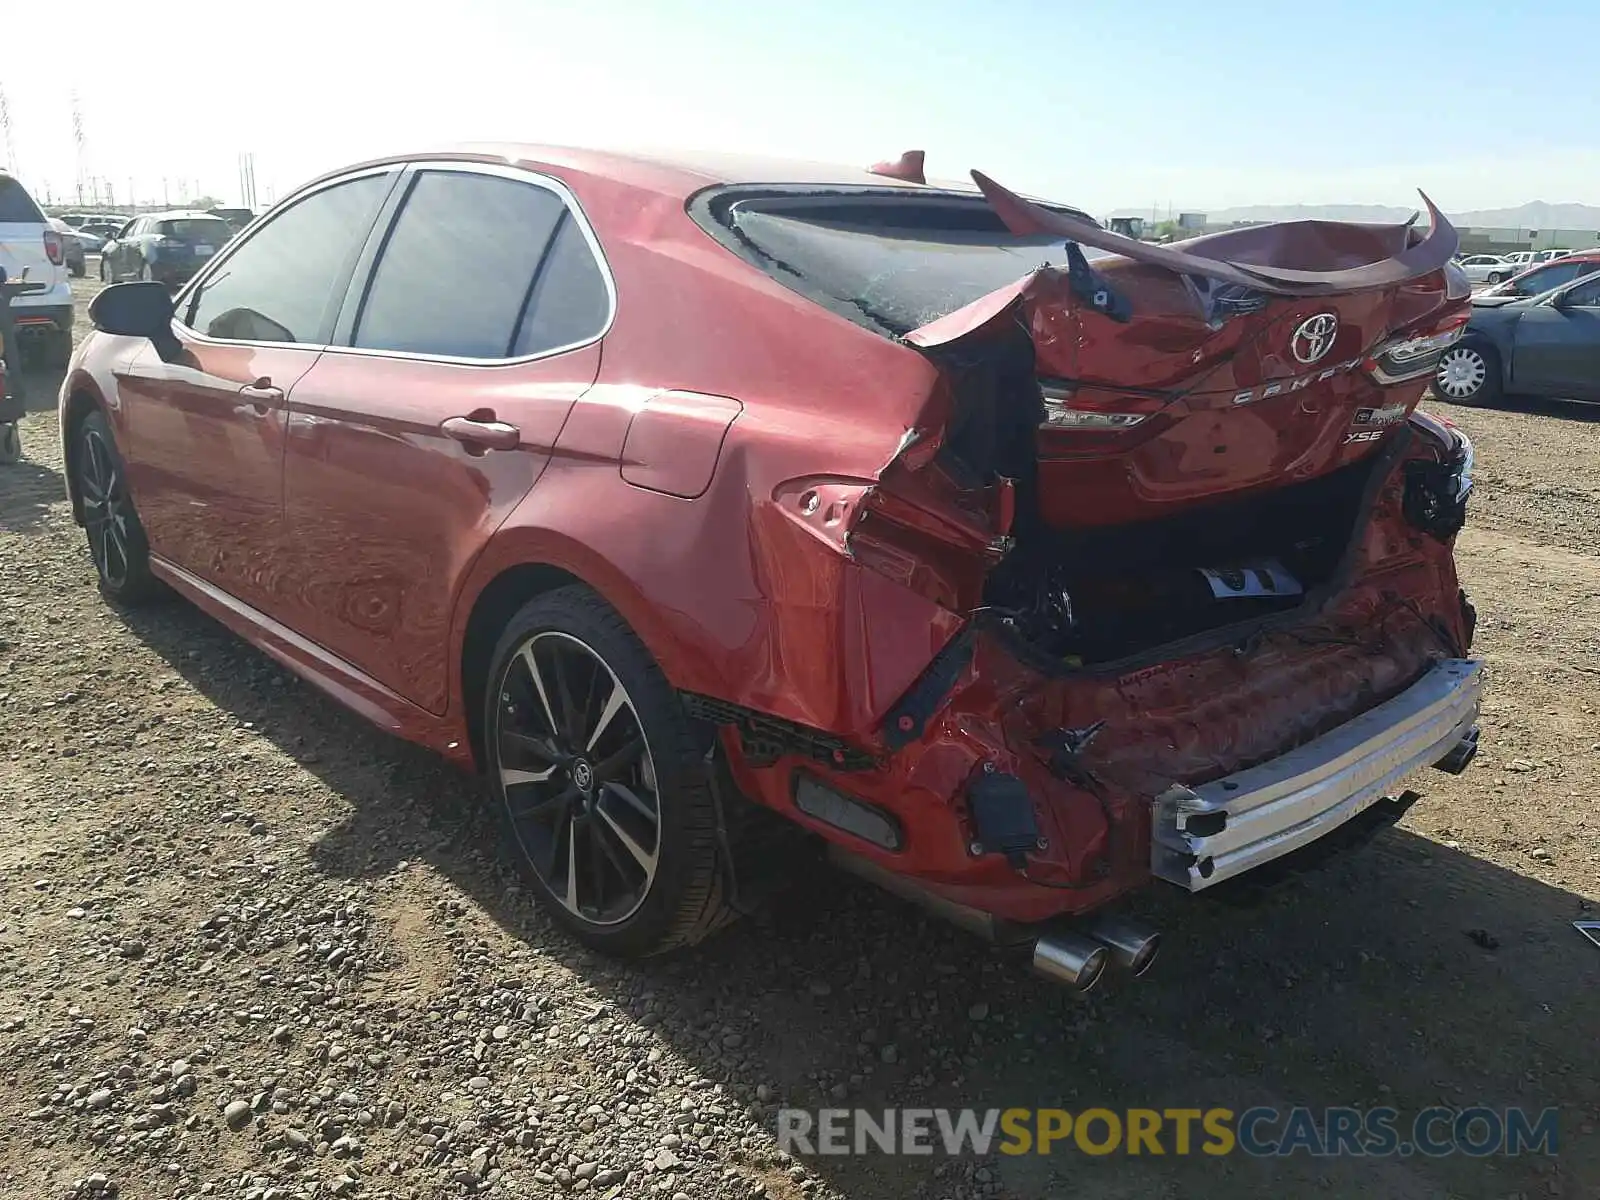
(492, 610)
(522, 565)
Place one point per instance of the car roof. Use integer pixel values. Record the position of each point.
(181, 214)
(666, 172)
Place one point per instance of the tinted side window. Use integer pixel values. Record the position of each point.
(278, 286)
(569, 303)
(1549, 277)
(455, 272)
(1586, 294)
(16, 204)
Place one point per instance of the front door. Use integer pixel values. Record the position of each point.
(205, 427)
(412, 440)
(1558, 347)
(205, 454)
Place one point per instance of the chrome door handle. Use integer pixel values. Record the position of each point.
(486, 435)
(266, 395)
(261, 399)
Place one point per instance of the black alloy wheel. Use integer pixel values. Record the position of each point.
(116, 538)
(599, 783)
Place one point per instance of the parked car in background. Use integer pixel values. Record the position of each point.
(237, 217)
(1486, 268)
(88, 238)
(167, 247)
(1520, 259)
(73, 245)
(29, 242)
(1216, 619)
(1544, 277)
(102, 231)
(1544, 256)
(79, 219)
(1532, 345)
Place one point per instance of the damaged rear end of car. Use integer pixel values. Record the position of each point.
(1196, 539)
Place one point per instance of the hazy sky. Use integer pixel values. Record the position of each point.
(1093, 102)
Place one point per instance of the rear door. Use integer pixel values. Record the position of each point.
(22, 240)
(476, 328)
(1557, 350)
(203, 433)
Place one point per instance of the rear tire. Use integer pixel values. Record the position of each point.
(1468, 374)
(117, 542)
(107, 275)
(1495, 277)
(10, 444)
(596, 776)
(146, 275)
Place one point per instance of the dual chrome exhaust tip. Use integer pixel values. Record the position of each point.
(1077, 958)
(1080, 960)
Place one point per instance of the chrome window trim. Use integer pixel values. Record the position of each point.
(185, 293)
(523, 175)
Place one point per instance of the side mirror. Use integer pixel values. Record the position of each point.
(137, 310)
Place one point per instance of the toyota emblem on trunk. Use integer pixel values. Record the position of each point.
(1314, 337)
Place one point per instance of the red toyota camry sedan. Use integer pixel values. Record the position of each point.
(1017, 563)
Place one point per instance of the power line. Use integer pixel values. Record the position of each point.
(5, 127)
(80, 139)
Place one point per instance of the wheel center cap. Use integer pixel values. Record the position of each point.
(582, 774)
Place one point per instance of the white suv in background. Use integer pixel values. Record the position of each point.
(42, 320)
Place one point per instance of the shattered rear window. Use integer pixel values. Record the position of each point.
(891, 264)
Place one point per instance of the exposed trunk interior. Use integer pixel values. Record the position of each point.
(1098, 595)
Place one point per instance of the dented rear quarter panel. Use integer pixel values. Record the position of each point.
(709, 542)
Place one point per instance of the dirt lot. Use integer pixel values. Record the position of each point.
(222, 890)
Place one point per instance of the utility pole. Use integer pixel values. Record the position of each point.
(81, 140)
(247, 179)
(5, 128)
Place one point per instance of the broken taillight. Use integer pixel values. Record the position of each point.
(1066, 408)
(1411, 355)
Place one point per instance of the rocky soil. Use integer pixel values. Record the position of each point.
(252, 948)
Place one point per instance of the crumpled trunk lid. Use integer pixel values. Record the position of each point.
(1172, 376)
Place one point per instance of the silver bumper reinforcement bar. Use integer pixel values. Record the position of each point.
(1203, 835)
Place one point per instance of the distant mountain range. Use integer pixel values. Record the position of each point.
(1534, 215)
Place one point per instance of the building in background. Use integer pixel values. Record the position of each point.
(1482, 239)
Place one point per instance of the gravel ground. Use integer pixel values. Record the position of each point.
(254, 948)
